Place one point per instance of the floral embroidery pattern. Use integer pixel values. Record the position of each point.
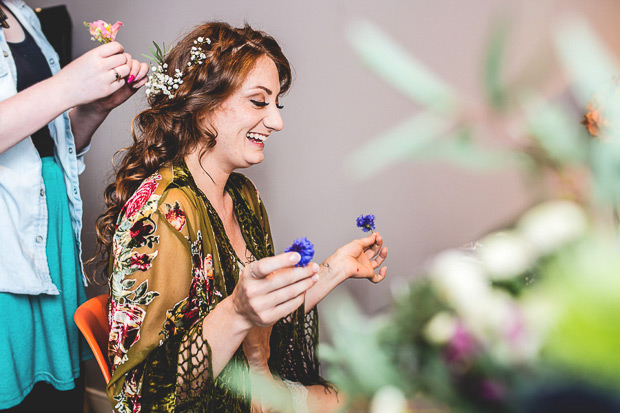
(135, 230)
(125, 322)
(141, 233)
(143, 194)
(199, 300)
(175, 215)
(128, 400)
(142, 262)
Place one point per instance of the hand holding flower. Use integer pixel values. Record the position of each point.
(272, 288)
(305, 248)
(103, 32)
(366, 222)
(360, 258)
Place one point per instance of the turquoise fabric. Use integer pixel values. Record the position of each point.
(39, 340)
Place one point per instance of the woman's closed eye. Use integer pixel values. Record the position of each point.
(259, 103)
(262, 104)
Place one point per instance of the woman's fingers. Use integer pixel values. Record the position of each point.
(279, 279)
(265, 266)
(291, 291)
(287, 307)
(141, 78)
(378, 260)
(379, 277)
(109, 49)
(114, 61)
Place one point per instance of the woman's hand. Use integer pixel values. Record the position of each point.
(360, 258)
(103, 90)
(272, 288)
(92, 76)
(135, 78)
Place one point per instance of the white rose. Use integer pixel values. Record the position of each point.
(505, 255)
(549, 225)
(460, 280)
(441, 328)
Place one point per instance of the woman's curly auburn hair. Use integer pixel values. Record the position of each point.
(174, 127)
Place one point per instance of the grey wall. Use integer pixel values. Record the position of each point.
(335, 105)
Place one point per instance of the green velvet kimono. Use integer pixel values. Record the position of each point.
(171, 264)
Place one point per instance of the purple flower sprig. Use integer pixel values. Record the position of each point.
(304, 248)
(366, 222)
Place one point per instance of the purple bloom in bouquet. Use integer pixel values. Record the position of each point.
(366, 222)
(304, 248)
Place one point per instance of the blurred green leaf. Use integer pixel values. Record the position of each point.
(427, 137)
(555, 130)
(395, 145)
(606, 169)
(584, 287)
(459, 149)
(356, 362)
(584, 57)
(397, 67)
(493, 86)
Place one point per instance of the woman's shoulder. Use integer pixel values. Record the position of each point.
(161, 188)
(243, 184)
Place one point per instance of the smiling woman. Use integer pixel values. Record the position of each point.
(195, 287)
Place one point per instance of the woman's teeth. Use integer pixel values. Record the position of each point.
(256, 137)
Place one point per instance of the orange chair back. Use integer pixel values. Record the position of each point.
(92, 320)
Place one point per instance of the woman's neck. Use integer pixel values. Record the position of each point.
(210, 178)
(15, 33)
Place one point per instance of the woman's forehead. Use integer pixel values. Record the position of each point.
(263, 76)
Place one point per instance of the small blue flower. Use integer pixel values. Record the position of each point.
(304, 248)
(366, 222)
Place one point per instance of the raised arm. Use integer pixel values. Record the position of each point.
(86, 118)
(85, 80)
(357, 259)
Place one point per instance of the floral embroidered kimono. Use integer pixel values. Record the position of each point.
(171, 264)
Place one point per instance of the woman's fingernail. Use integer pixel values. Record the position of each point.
(294, 257)
(315, 267)
(130, 78)
(315, 277)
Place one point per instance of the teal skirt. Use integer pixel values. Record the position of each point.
(39, 340)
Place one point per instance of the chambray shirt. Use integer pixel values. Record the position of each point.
(23, 210)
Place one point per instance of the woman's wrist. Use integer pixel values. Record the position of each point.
(236, 321)
(332, 270)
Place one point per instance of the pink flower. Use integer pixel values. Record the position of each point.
(461, 347)
(141, 262)
(139, 198)
(103, 32)
(125, 321)
(176, 216)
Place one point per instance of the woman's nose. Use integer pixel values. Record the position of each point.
(273, 120)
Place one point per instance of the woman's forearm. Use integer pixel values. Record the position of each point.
(329, 278)
(85, 119)
(224, 330)
(28, 111)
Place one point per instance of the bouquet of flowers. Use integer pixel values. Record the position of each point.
(525, 318)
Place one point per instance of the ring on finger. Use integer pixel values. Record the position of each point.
(117, 77)
(252, 270)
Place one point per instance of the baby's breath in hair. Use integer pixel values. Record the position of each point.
(198, 55)
(160, 81)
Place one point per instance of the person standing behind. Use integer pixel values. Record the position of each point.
(47, 119)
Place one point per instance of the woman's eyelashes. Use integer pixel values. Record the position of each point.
(258, 103)
(262, 104)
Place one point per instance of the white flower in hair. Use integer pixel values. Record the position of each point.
(160, 81)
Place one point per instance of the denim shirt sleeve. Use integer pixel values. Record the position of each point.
(23, 210)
